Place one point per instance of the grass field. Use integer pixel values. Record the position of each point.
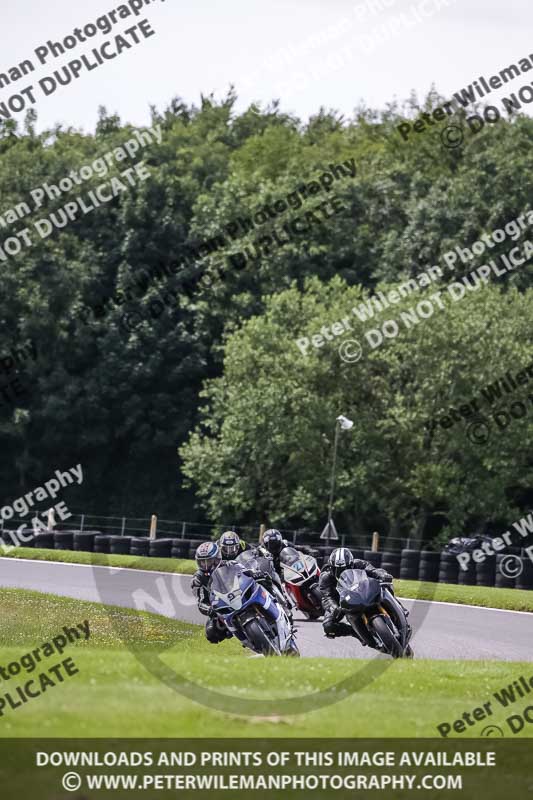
(513, 599)
(114, 695)
(183, 566)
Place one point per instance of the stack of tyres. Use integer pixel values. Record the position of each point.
(84, 541)
(502, 581)
(180, 548)
(467, 577)
(390, 561)
(45, 539)
(139, 546)
(161, 548)
(486, 572)
(120, 545)
(102, 543)
(357, 553)
(428, 568)
(409, 564)
(374, 558)
(525, 579)
(448, 568)
(64, 540)
(192, 545)
(26, 537)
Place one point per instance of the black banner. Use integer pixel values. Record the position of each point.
(83, 769)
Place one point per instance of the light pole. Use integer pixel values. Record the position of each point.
(344, 424)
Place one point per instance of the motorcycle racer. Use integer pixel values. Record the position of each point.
(340, 559)
(231, 545)
(208, 558)
(273, 543)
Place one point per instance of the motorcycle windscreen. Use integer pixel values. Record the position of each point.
(227, 586)
(251, 559)
(289, 555)
(291, 558)
(245, 558)
(357, 591)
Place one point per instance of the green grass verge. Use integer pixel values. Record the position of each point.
(181, 565)
(512, 599)
(115, 696)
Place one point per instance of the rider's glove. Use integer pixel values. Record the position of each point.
(384, 576)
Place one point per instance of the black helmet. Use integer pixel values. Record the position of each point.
(273, 541)
(208, 556)
(340, 559)
(230, 545)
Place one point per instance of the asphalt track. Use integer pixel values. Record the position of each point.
(441, 630)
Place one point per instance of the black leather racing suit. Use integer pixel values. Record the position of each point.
(330, 599)
(215, 630)
(278, 575)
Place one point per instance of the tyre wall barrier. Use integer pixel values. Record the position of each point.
(120, 545)
(45, 540)
(101, 543)
(180, 548)
(374, 558)
(139, 546)
(64, 540)
(502, 580)
(409, 563)
(161, 548)
(428, 567)
(486, 572)
(390, 562)
(28, 535)
(467, 577)
(525, 579)
(84, 541)
(448, 568)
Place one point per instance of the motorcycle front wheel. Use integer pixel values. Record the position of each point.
(391, 644)
(258, 639)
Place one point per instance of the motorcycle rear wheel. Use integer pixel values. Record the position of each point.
(392, 646)
(315, 595)
(259, 639)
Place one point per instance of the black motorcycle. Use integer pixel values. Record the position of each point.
(465, 544)
(367, 599)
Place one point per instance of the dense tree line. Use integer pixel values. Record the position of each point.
(220, 333)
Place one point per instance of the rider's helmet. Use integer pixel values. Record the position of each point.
(208, 556)
(230, 545)
(340, 559)
(273, 541)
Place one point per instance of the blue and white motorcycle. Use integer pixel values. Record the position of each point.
(251, 613)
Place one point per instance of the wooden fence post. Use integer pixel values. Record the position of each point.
(153, 526)
(375, 542)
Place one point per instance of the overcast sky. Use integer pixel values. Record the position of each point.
(306, 52)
